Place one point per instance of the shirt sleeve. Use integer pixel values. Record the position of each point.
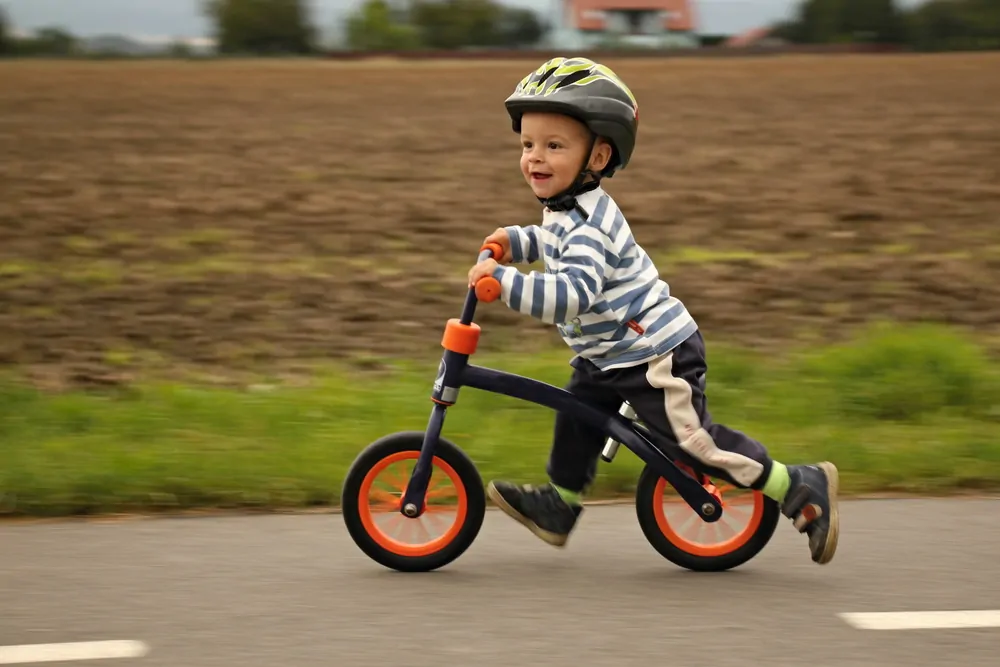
(524, 247)
(572, 288)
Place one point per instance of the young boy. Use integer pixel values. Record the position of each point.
(633, 340)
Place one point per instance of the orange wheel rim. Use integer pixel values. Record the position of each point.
(740, 520)
(387, 503)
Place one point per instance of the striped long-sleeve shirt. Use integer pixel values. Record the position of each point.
(599, 287)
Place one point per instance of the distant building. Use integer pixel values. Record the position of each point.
(763, 37)
(630, 23)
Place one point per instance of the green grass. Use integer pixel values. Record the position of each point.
(898, 409)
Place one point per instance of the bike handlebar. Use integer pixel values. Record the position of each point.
(488, 288)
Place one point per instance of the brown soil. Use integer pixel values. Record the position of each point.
(233, 217)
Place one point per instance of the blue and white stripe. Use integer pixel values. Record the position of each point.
(596, 280)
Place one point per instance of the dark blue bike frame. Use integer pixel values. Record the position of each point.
(455, 372)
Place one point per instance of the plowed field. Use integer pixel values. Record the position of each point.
(226, 218)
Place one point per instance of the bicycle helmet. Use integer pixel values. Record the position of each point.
(593, 94)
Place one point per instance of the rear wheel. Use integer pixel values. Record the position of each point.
(372, 494)
(680, 535)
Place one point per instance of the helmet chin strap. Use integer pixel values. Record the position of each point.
(566, 200)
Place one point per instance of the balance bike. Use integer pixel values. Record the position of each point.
(414, 505)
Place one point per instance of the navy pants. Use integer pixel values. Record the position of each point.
(668, 396)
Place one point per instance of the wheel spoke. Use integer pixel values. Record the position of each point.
(385, 499)
(420, 527)
(435, 518)
(725, 530)
(738, 511)
(440, 492)
(700, 538)
(728, 519)
(393, 523)
(423, 523)
(437, 509)
(403, 534)
(397, 479)
(687, 522)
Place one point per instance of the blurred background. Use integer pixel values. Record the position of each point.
(150, 27)
(231, 233)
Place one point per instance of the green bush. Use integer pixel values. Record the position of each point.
(906, 374)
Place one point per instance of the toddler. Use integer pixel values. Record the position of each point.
(634, 341)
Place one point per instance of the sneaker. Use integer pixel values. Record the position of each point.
(811, 503)
(542, 510)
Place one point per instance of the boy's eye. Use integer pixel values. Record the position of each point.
(553, 145)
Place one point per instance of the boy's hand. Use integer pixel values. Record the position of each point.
(481, 270)
(503, 238)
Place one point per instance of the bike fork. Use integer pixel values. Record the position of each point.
(412, 503)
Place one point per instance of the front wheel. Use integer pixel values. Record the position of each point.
(748, 521)
(374, 488)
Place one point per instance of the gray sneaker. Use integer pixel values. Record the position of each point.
(811, 503)
(541, 509)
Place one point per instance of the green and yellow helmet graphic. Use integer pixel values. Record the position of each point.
(586, 90)
(538, 83)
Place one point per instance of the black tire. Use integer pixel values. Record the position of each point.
(411, 441)
(646, 500)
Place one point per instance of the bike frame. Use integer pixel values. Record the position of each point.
(455, 372)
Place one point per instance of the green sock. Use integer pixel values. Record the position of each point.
(777, 482)
(571, 497)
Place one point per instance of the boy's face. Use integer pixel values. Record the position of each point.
(554, 147)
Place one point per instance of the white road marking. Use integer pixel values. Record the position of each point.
(924, 620)
(69, 652)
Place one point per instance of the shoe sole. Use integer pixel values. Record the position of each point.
(544, 535)
(833, 533)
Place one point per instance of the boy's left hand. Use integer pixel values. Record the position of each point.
(481, 270)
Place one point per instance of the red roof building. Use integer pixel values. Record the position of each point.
(673, 15)
(653, 23)
(753, 37)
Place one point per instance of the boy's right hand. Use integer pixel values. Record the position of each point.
(501, 237)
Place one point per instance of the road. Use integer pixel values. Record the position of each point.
(295, 591)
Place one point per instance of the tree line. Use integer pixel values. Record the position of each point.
(271, 27)
(286, 27)
(261, 26)
(935, 25)
(445, 24)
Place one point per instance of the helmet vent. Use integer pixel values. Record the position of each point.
(574, 77)
(547, 74)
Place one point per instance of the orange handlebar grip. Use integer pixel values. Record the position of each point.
(488, 289)
(495, 248)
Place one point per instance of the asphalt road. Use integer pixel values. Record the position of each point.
(295, 591)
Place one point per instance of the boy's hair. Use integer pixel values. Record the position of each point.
(591, 93)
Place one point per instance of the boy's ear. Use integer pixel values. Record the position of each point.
(601, 155)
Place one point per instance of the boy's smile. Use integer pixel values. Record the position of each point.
(554, 148)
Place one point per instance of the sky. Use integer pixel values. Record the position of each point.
(182, 18)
